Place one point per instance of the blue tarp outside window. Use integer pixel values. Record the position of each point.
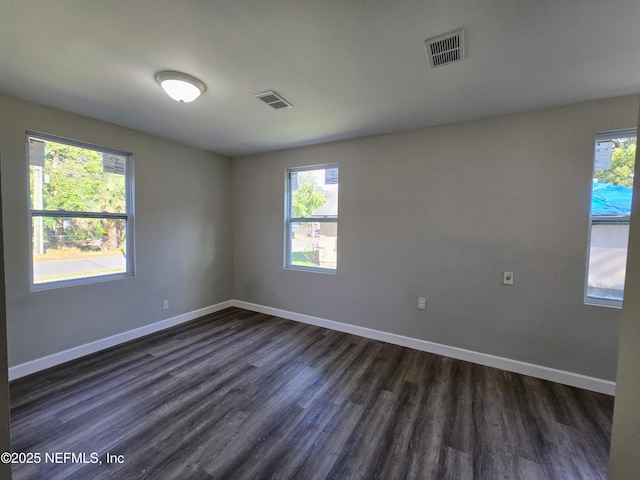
(610, 200)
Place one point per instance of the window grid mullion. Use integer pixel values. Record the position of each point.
(68, 214)
(312, 220)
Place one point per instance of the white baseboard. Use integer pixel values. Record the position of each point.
(93, 347)
(516, 366)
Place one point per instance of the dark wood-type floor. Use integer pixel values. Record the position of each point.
(241, 395)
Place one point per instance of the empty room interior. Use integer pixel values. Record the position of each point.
(318, 239)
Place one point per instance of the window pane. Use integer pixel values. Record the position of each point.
(75, 179)
(314, 193)
(615, 161)
(71, 248)
(314, 244)
(607, 261)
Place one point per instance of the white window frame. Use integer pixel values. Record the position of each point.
(128, 216)
(290, 219)
(604, 220)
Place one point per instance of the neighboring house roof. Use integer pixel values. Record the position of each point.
(329, 208)
(611, 200)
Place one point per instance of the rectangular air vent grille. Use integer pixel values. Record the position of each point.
(445, 49)
(272, 99)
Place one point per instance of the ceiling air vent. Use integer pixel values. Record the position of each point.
(445, 49)
(273, 100)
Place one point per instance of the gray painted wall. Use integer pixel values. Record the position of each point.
(441, 212)
(5, 420)
(182, 227)
(624, 461)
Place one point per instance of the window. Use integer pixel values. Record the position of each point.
(312, 218)
(612, 188)
(81, 212)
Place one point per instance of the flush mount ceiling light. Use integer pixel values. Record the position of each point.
(180, 86)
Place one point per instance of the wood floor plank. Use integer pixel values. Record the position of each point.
(244, 395)
(396, 441)
(331, 442)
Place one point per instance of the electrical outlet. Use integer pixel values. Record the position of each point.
(165, 304)
(507, 278)
(422, 303)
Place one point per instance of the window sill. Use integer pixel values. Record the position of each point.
(39, 287)
(602, 302)
(326, 271)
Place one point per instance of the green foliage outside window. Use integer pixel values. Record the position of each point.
(73, 180)
(622, 164)
(308, 197)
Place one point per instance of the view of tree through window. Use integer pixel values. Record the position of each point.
(79, 214)
(614, 162)
(312, 218)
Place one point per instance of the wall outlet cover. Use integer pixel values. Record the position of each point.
(422, 303)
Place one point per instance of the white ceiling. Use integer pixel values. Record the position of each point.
(350, 67)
